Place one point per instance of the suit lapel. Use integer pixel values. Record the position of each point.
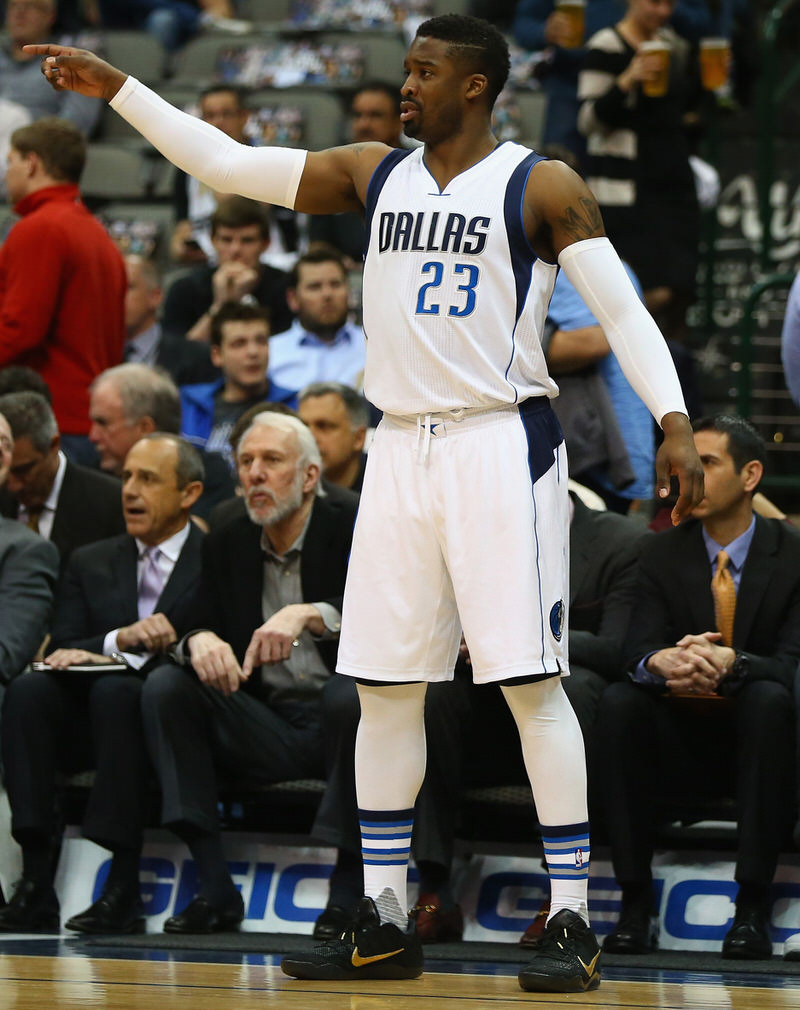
(756, 575)
(696, 581)
(185, 573)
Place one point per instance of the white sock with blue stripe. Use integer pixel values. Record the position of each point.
(385, 849)
(566, 851)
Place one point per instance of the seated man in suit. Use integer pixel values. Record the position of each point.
(263, 653)
(714, 643)
(132, 400)
(338, 416)
(66, 503)
(145, 341)
(131, 595)
(28, 571)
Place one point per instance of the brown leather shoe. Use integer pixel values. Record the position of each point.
(532, 936)
(435, 924)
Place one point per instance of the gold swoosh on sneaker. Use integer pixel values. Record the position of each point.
(590, 967)
(358, 961)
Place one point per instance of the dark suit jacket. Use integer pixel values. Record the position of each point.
(602, 581)
(673, 597)
(233, 567)
(89, 508)
(99, 592)
(28, 572)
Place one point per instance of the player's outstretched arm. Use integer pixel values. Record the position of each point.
(567, 224)
(321, 183)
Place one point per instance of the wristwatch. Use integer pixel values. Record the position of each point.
(739, 672)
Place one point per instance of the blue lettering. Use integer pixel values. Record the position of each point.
(675, 921)
(385, 228)
(477, 230)
(402, 231)
(257, 907)
(491, 891)
(285, 907)
(156, 893)
(430, 245)
(453, 232)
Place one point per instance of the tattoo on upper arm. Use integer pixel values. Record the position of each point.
(584, 221)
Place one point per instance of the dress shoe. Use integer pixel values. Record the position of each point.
(334, 921)
(436, 924)
(748, 938)
(200, 916)
(33, 909)
(532, 936)
(117, 910)
(635, 933)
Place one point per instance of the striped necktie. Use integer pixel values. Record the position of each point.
(723, 590)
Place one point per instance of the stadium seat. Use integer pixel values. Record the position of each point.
(115, 172)
(137, 53)
(266, 11)
(531, 106)
(196, 62)
(322, 113)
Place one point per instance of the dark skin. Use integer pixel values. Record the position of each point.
(446, 105)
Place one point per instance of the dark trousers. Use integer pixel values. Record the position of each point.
(438, 802)
(70, 722)
(195, 733)
(650, 746)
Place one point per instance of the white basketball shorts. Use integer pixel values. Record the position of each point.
(463, 522)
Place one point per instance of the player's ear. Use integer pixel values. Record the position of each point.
(477, 86)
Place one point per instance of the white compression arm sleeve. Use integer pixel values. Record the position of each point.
(597, 274)
(270, 174)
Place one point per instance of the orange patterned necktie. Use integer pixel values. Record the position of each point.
(724, 593)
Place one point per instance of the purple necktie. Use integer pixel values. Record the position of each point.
(151, 583)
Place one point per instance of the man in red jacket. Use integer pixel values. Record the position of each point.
(62, 280)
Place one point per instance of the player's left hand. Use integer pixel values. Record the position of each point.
(677, 456)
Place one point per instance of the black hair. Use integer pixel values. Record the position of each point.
(744, 442)
(476, 42)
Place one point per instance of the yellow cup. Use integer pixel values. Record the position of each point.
(575, 10)
(714, 63)
(657, 87)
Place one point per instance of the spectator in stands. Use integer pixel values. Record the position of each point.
(146, 343)
(29, 22)
(221, 105)
(374, 116)
(68, 504)
(173, 22)
(540, 27)
(240, 234)
(61, 720)
(130, 401)
(338, 417)
(62, 280)
(240, 348)
(714, 643)
(790, 341)
(639, 146)
(21, 379)
(321, 345)
(271, 590)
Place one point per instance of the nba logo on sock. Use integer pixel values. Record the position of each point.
(557, 620)
(579, 857)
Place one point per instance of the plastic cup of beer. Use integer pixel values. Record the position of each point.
(714, 63)
(657, 87)
(575, 10)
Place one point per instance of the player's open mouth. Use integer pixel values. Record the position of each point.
(408, 111)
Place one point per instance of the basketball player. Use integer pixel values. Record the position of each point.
(464, 517)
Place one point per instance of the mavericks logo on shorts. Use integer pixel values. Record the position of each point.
(557, 620)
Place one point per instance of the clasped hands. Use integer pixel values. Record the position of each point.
(152, 634)
(696, 664)
(215, 662)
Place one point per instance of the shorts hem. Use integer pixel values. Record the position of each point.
(512, 672)
(387, 676)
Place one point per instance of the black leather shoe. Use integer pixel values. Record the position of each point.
(748, 938)
(33, 909)
(117, 910)
(635, 933)
(334, 921)
(200, 916)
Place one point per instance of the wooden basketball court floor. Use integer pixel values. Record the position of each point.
(53, 974)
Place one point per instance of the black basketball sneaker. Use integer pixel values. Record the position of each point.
(373, 949)
(567, 959)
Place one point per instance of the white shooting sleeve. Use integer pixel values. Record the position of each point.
(597, 274)
(269, 174)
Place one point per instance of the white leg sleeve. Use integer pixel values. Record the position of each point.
(270, 174)
(597, 274)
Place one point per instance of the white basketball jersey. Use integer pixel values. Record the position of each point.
(455, 299)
